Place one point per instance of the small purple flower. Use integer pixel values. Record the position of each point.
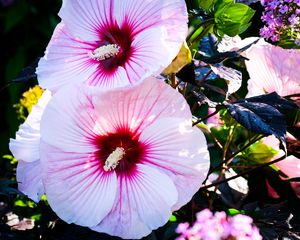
(275, 38)
(280, 18)
(294, 19)
(283, 9)
(218, 226)
(267, 32)
(204, 215)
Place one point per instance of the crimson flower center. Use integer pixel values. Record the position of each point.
(119, 152)
(114, 48)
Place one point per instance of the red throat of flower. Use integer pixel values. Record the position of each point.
(115, 48)
(120, 152)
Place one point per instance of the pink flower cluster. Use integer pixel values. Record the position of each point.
(111, 145)
(218, 226)
(281, 20)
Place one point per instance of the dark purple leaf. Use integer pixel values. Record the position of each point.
(274, 100)
(258, 117)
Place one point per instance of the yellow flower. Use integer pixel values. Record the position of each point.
(28, 100)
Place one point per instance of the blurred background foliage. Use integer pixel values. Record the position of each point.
(26, 27)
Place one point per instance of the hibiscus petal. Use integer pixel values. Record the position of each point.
(143, 14)
(290, 166)
(148, 46)
(272, 68)
(143, 203)
(85, 18)
(179, 150)
(68, 121)
(29, 179)
(119, 78)
(26, 145)
(76, 188)
(66, 60)
(138, 106)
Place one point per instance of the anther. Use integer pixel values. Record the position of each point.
(113, 159)
(104, 52)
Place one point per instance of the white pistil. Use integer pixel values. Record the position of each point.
(113, 159)
(104, 52)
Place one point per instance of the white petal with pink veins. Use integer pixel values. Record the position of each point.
(76, 187)
(84, 18)
(29, 179)
(143, 203)
(66, 60)
(26, 149)
(69, 122)
(148, 46)
(144, 14)
(26, 145)
(179, 150)
(272, 68)
(140, 105)
(100, 78)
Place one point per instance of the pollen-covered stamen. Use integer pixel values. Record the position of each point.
(104, 52)
(113, 159)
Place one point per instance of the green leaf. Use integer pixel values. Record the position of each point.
(207, 4)
(259, 153)
(173, 218)
(25, 203)
(221, 5)
(232, 18)
(233, 211)
(10, 158)
(36, 217)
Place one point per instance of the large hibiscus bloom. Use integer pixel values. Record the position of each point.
(120, 161)
(26, 149)
(110, 43)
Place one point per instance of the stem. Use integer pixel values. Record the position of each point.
(232, 156)
(215, 139)
(184, 89)
(292, 95)
(243, 173)
(173, 80)
(225, 149)
(210, 21)
(206, 117)
(177, 84)
(201, 35)
(237, 152)
(215, 89)
(205, 77)
(243, 167)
